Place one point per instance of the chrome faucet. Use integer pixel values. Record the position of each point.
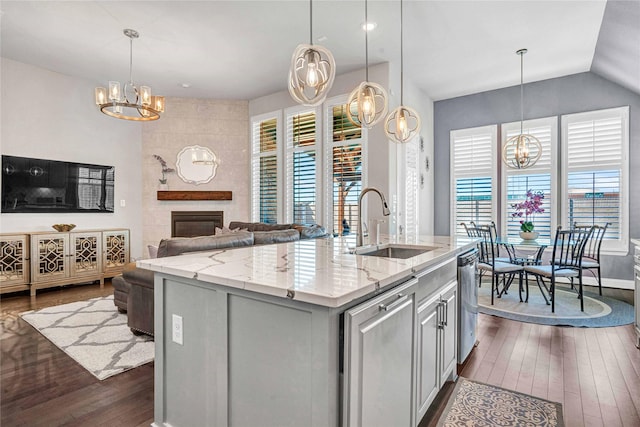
(385, 211)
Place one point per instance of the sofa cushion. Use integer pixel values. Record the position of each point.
(259, 226)
(310, 231)
(275, 236)
(180, 245)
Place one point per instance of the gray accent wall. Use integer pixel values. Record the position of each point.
(555, 97)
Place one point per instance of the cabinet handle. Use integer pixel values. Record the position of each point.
(446, 313)
(387, 307)
(440, 322)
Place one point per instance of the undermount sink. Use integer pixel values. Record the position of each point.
(394, 251)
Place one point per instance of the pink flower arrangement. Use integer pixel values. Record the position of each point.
(529, 208)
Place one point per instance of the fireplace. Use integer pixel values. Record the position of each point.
(195, 223)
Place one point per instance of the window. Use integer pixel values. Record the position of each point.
(345, 154)
(539, 177)
(474, 175)
(595, 158)
(301, 161)
(264, 164)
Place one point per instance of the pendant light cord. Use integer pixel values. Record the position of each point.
(401, 58)
(366, 42)
(521, 92)
(311, 22)
(130, 60)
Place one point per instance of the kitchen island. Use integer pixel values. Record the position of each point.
(303, 334)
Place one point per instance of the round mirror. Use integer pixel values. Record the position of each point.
(196, 164)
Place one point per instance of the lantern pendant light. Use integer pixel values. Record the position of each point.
(367, 104)
(312, 71)
(403, 123)
(523, 150)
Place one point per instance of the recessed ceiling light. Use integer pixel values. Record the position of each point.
(369, 26)
(185, 85)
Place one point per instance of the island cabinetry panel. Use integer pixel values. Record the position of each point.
(14, 264)
(379, 337)
(636, 275)
(246, 359)
(436, 343)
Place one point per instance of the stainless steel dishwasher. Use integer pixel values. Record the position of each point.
(467, 303)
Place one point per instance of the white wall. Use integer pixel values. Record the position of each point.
(222, 126)
(53, 116)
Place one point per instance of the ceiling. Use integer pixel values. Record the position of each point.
(242, 49)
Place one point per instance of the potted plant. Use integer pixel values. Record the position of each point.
(165, 170)
(531, 206)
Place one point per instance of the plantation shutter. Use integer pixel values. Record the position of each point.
(595, 158)
(264, 194)
(345, 156)
(539, 177)
(473, 174)
(301, 161)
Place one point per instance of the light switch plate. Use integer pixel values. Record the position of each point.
(177, 329)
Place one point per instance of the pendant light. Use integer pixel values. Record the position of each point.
(403, 123)
(132, 103)
(367, 104)
(312, 70)
(523, 150)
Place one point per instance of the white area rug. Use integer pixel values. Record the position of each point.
(94, 334)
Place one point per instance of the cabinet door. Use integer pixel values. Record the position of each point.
(85, 254)
(378, 360)
(49, 257)
(14, 261)
(115, 247)
(428, 353)
(449, 329)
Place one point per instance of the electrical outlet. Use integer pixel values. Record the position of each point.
(123, 203)
(177, 329)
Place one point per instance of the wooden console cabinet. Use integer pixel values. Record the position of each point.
(43, 260)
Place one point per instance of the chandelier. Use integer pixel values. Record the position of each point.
(523, 150)
(130, 102)
(403, 123)
(312, 70)
(368, 102)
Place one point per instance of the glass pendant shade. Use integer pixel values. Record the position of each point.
(521, 151)
(402, 124)
(129, 102)
(311, 75)
(367, 104)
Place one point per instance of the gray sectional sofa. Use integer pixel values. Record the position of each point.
(133, 289)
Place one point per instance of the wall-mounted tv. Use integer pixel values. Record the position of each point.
(48, 186)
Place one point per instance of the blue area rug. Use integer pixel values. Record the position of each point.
(600, 311)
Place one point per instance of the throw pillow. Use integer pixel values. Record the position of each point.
(225, 230)
(153, 251)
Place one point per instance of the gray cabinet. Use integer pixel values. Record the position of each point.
(379, 339)
(636, 300)
(435, 344)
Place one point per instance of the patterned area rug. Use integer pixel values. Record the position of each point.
(94, 334)
(476, 404)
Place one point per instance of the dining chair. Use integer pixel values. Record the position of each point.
(489, 264)
(591, 257)
(566, 262)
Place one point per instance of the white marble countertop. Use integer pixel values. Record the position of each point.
(317, 271)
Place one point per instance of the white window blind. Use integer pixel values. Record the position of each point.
(473, 172)
(345, 156)
(595, 189)
(409, 190)
(301, 161)
(539, 177)
(264, 163)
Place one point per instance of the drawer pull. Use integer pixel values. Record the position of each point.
(388, 307)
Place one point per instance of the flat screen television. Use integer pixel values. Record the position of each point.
(48, 186)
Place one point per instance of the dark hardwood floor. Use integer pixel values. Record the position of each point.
(594, 373)
(42, 386)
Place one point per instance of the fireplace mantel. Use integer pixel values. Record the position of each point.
(194, 195)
